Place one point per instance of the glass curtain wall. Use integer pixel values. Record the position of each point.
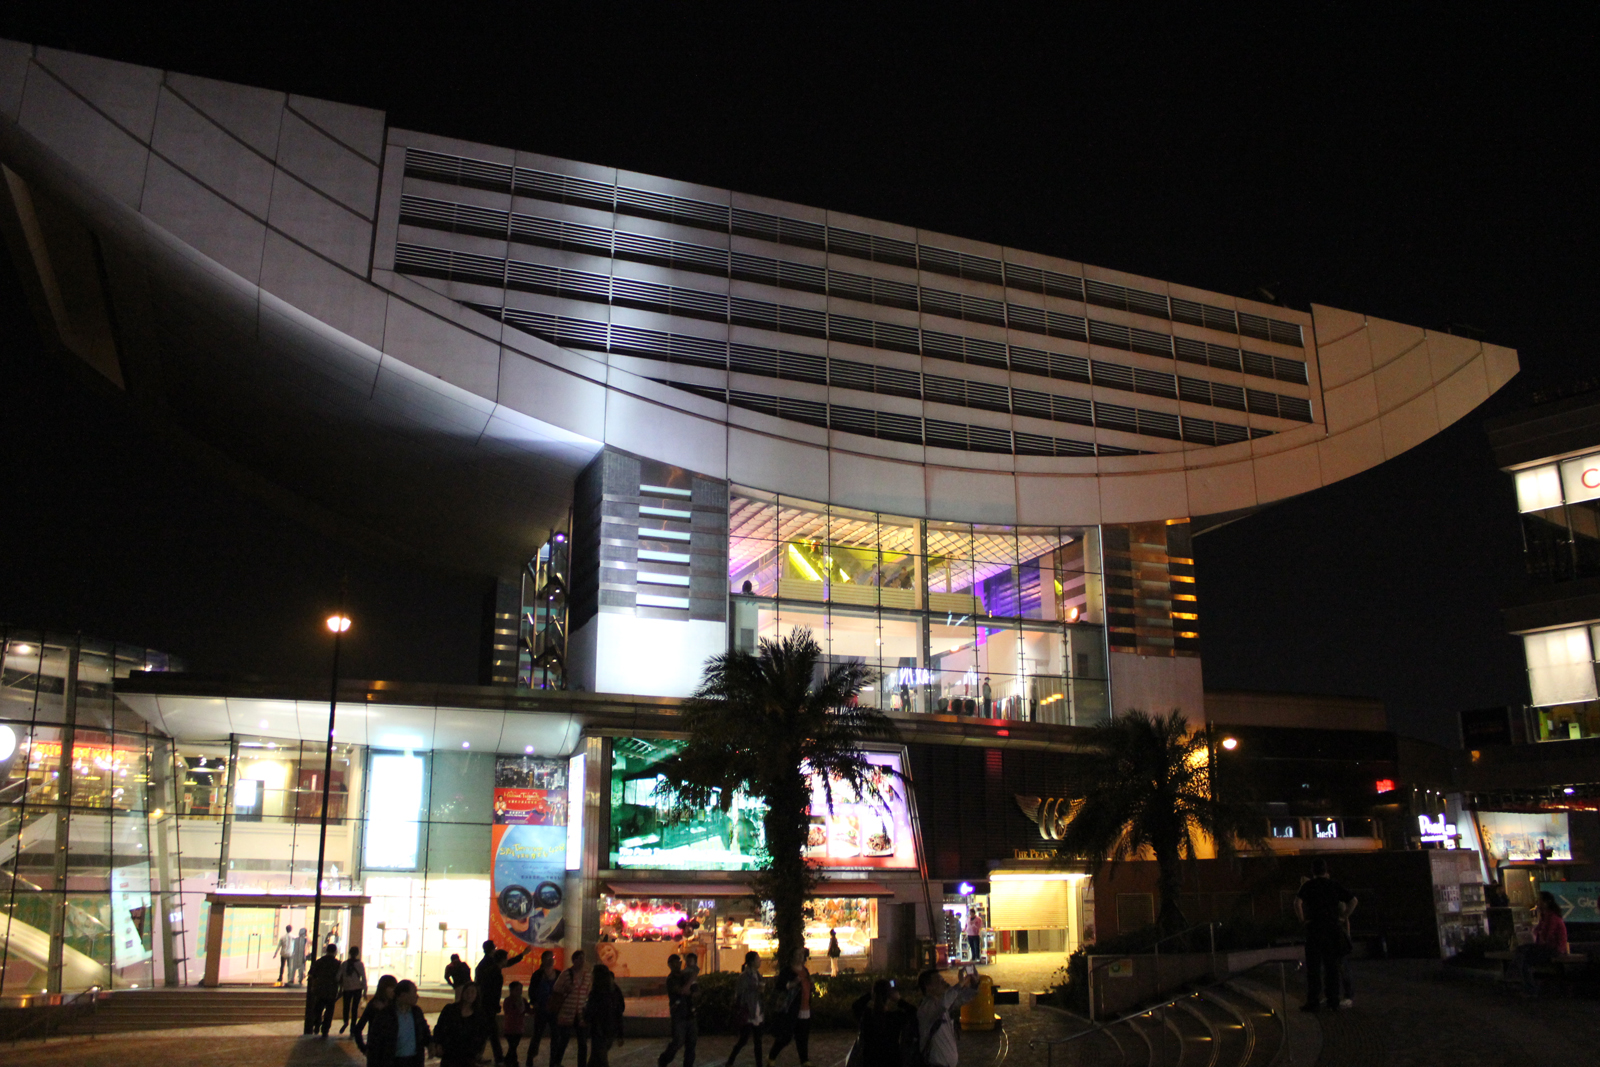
(410, 829)
(994, 622)
(80, 796)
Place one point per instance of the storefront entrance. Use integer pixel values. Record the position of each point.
(242, 932)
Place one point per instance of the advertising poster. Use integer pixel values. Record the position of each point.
(529, 838)
(1517, 837)
(867, 830)
(870, 829)
(131, 919)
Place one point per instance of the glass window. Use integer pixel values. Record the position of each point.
(1560, 666)
(1538, 488)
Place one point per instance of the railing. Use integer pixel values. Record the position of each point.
(62, 1013)
(1052, 1043)
(1155, 949)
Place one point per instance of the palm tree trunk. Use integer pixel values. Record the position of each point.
(1169, 882)
(787, 879)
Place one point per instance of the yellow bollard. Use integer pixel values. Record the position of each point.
(978, 1013)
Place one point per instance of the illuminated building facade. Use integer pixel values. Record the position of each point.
(700, 417)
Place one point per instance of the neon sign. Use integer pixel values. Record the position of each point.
(1437, 831)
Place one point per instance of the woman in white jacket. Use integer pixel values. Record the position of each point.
(747, 1007)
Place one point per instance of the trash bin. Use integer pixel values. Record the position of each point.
(978, 1013)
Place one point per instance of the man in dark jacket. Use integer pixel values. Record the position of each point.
(456, 972)
(539, 987)
(322, 991)
(490, 977)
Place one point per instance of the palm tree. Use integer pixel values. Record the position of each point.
(1148, 786)
(764, 724)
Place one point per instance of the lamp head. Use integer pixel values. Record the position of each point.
(338, 624)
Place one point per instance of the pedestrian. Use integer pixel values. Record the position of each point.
(682, 985)
(834, 952)
(1549, 941)
(514, 1010)
(936, 1031)
(604, 1012)
(974, 932)
(392, 1031)
(1347, 948)
(1321, 903)
(568, 998)
(285, 954)
(352, 986)
(297, 969)
(747, 1014)
(490, 979)
(795, 1017)
(377, 1019)
(462, 1029)
(456, 972)
(881, 1018)
(539, 987)
(322, 991)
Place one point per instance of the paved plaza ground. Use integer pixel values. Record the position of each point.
(1405, 1015)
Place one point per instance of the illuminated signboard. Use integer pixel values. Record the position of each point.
(1518, 837)
(1437, 831)
(870, 830)
(1580, 478)
(1385, 785)
(394, 811)
(1579, 901)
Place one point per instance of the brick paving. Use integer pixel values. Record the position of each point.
(1408, 1015)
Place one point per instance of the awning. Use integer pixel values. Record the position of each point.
(677, 889)
(702, 890)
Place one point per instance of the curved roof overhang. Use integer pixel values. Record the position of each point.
(212, 248)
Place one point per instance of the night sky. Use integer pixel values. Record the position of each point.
(1435, 168)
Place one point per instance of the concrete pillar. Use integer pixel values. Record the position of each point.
(596, 801)
(214, 925)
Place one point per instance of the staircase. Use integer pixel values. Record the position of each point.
(1226, 1025)
(174, 1009)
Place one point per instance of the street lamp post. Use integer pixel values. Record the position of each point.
(337, 625)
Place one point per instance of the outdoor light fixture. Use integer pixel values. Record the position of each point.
(964, 889)
(1230, 743)
(527, 750)
(338, 624)
(559, 538)
(466, 744)
(1073, 613)
(1568, 790)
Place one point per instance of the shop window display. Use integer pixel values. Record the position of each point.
(961, 620)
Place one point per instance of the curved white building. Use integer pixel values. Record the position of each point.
(971, 464)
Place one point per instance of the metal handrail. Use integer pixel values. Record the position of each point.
(1050, 1043)
(1155, 946)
